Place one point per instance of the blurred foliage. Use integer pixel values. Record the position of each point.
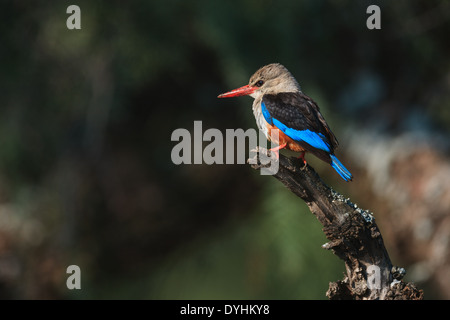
(270, 255)
(87, 115)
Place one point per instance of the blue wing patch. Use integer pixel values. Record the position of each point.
(266, 113)
(314, 139)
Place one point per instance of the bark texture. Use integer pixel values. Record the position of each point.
(352, 233)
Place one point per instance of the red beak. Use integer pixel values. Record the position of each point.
(242, 91)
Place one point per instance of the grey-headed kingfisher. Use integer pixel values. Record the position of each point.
(280, 105)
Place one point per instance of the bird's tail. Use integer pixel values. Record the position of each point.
(339, 167)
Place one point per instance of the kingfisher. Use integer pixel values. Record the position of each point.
(281, 105)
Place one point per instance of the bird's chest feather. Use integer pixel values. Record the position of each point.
(260, 121)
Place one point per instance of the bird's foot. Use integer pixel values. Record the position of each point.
(302, 157)
(276, 150)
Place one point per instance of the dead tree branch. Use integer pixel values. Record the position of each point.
(352, 233)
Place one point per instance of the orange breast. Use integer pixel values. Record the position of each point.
(283, 138)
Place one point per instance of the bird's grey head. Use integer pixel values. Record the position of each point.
(272, 79)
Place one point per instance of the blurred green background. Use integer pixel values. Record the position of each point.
(86, 120)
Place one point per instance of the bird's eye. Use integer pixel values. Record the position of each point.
(259, 83)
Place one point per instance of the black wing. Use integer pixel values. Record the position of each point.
(299, 112)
